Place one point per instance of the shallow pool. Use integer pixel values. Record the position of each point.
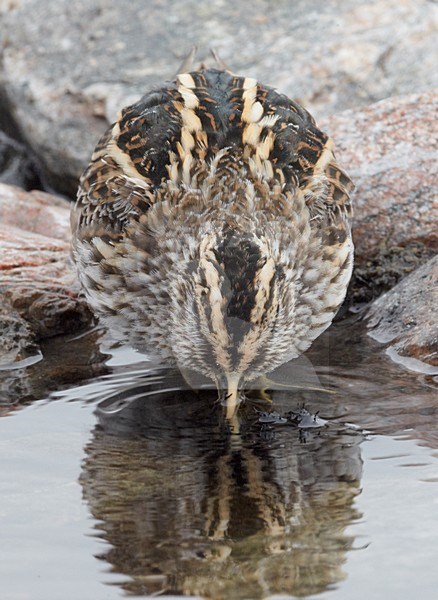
(130, 484)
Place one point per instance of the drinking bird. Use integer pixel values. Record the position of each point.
(212, 228)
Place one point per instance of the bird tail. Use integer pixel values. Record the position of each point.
(187, 64)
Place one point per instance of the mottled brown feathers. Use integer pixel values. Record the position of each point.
(172, 132)
(212, 226)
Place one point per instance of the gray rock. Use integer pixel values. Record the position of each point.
(405, 319)
(63, 76)
(18, 341)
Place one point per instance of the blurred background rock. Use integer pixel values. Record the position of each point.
(68, 66)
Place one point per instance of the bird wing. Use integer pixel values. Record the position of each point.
(171, 134)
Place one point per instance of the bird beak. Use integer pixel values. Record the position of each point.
(232, 398)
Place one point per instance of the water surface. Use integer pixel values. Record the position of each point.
(114, 487)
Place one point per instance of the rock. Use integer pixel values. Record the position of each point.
(68, 359)
(35, 212)
(61, 80)
(18, 341)
(15, 165)
(405, 318)
(38, 289)
(390, 151)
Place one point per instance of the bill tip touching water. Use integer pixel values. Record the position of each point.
(212, 228)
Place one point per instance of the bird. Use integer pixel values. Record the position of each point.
(212, 228)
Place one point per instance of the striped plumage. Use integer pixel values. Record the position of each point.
(211, 228)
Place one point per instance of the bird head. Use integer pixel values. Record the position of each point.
(230, 313)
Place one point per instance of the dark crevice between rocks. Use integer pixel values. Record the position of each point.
(381, 272)
(19, 164)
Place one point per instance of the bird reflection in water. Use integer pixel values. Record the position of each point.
(190, 508)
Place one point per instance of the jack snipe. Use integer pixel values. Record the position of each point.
(211, 228)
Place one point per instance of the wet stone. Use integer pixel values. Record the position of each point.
(49, 365)
(18, 341)
(405, 319)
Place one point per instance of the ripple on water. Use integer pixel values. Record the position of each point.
(182, 505)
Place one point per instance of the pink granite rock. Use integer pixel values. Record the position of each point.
(390, 149)
(35, 212)
(38, 289)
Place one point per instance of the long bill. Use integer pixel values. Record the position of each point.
(232, 398)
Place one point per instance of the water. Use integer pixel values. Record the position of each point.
(104, 499)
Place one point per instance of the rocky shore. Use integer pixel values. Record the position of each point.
(38, 288)
(371, 90)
